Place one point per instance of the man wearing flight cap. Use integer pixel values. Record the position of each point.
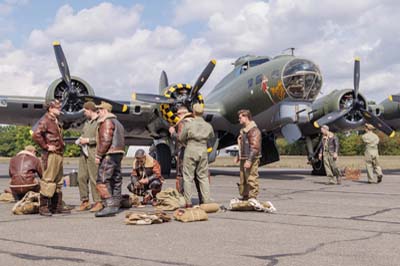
(109, 152)
(371, 141)
(195, 136)
(87, 171)
(48, 135)
(24, 168)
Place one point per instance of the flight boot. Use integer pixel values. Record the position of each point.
(110, 209)
(57, 204)
(44, 206)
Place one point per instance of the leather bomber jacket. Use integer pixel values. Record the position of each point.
(110, 137)
(48, 132)
(25, 165)
(250, 142)
(151, 170)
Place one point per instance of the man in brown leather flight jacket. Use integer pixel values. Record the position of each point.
(249, 142)
(24, 168)
(48, 135)
(109, 152)
(146, 175)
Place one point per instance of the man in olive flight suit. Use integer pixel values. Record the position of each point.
(195, 136)
(371, 153)
(329, 152)
(87, 173)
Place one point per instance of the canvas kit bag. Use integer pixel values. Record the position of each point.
(190, 215)
(143, 218)
(169, 200)
(245, 205)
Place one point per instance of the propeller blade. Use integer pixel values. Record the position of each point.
(116, 106)
(202, 79)
(62, 64)
(394, 98)
(163, 82)
(356, 77)
(152, 98)
(377, 123)
(331, 117)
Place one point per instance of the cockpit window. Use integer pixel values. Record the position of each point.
(254, 63)
(302, 79)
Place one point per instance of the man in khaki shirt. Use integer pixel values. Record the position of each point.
(371, 141)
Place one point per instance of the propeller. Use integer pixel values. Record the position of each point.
(160, 99)
(202, 79)
(357, 106)
(116, 106)
(62, 64)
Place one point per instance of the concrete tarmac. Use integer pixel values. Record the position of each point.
(315, 224)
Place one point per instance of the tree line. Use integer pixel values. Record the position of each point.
(14, 138)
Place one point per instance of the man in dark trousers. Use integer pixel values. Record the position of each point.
(109, 152)
(145, 176)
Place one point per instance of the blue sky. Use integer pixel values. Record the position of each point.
(40, 14)
(122, 46)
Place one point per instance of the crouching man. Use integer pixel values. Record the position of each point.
(146, 175)
(24, 168)
(109, 153)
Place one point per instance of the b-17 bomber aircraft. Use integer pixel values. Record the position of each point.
(281, 93)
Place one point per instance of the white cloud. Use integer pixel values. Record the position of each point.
(108, 46)
(193, 10)
(100, 23)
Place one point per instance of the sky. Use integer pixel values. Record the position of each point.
(122, 46)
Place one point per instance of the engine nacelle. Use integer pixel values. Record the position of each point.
(72, 113)
(339, 100)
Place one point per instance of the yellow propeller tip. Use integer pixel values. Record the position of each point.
(214, 61)
(392, 134)
(357, 58)
(209, 149)
(391, 98)
(56, 43)
(133, 96)
(316, 125)
(124, 108)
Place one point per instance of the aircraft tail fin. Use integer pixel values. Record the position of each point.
(163, 82)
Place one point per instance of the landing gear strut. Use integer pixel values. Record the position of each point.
(316, 163)
(162, 153)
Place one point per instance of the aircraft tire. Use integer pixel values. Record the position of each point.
(318, 168)
(163, 156)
